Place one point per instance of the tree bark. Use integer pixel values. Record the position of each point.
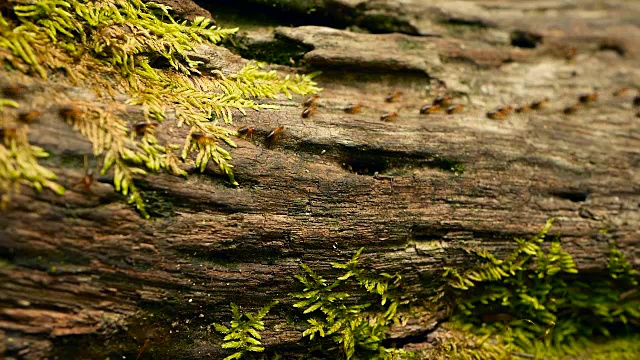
(84, 276)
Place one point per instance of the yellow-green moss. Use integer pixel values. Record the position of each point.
(19, 159)
(138, 48)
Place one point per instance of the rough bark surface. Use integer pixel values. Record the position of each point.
(83, 276)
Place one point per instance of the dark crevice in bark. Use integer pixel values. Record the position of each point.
(275, 50)
(239, 252)
(525, 39)
(366, 160)
(334, 14)
(266, 12)
(573, 196)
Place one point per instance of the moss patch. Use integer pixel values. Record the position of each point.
(534, 302)
(137, 48)
(357, 327)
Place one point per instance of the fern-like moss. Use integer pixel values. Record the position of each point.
(19, 159)
(533, 302)
(356, 327)
(242, 334)
(138, 48)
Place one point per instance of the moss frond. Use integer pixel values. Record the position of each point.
(252, 81)
(19, 161)
(8, 103)
(109, 135)
(206, 145)
(242, 334)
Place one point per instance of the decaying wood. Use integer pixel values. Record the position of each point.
(85, 270)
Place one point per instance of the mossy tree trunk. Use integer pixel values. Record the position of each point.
(84, 276)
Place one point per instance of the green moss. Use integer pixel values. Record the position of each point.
(457, 168)
(137, 48)
(159, 204)
(356, 326)
(534, 302)
(625, 348)
(243, 335)
(449, 164)
(19, 159)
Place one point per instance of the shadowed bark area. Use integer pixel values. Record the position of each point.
(84, 276)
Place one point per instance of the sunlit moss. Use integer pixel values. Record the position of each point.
(138, 48)
(19, 161)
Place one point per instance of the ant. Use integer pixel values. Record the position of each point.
(8, 132)
(14, 91)
(29, 117)
(274, 133)
(70, 113)
(201, 138)
(393, 97)
(389, 116)
(198, 136)
(539, 104)
(308, 111)
(311, 100)
(429, 109)
(570, 53)
(454, 109)
(443, 100)
(352, 109)
(587, 98)
(523, 108)
(439, 85)
(495, 115)
(500, 113)
(571, 109)
(89, 174)
(506, 109)
(620, 91)
(144, 127)
(246, 131)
